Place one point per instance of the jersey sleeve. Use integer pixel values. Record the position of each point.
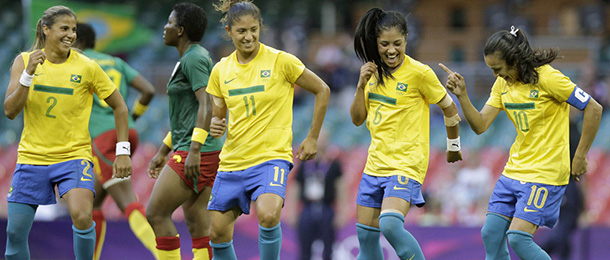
(431, 88)
(558, 85)
(129, 72)
(214, 82)
(101, 83)
(495, 99)
(290, 66)
(197, 71)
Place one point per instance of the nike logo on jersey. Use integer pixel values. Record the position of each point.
(504, 93)
(529, 210)
(38, 74)
(275, 184)
(399, 188)
(229, 81)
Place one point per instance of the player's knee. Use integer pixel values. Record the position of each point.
(217, 236)
(268, 219)
(391, 224)
(518, 240)
(486, 233)
(13, 234)
(82, 220)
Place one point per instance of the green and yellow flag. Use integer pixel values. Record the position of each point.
(115, 25)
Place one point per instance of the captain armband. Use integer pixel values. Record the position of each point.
(138, 108)
(123, 148)
(199, 135)
(453, 145)
(168, 140)
(452, 120)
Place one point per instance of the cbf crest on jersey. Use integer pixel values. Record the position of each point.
(534, 93)
(75, 78)
(265, 74)
(401, 87)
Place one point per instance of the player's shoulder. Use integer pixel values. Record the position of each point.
(415, 65)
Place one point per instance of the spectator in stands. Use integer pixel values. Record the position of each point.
(536, 98)
(255, 84)
(186, 179)
(393, 96)
(103, 132)
(54, 86)
(319, 185)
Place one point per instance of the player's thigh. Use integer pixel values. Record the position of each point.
(196, 214)
(523, 225)
(368, 216)
(169, 193)
(395, 204)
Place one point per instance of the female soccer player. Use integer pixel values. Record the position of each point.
(54, 86)
(103, 132)
(256, 84)
(535, 97)
(187, 179)
(393, 95)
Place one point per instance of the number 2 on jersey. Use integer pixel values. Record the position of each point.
(53, 102)
(250, 107)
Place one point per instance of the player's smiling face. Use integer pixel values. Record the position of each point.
(245, 32)
(500, 68)
(62, 34)
(392, 45)
(171, 30)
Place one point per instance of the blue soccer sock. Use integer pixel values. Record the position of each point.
(270, 241)
(20, 219)
(494, 237)
(406, 246)
(84, 242)
(223, 251)
(370, 247)
(523, 244)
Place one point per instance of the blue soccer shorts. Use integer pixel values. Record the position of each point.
(533, 202)
(374, 189)
(34, 184)
(240, 188)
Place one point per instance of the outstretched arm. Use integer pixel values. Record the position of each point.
(314, 84)
(478, 121)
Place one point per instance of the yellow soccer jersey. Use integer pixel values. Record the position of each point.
(398, 117)
(259, 97)
(57, 111)
(540, 113)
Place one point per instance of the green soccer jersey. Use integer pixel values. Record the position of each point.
(190, 74)
(121, 74)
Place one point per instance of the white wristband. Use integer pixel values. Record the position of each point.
(26, 79)
(123, 148)
(453, 145)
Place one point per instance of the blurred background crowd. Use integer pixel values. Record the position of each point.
(320, 32)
